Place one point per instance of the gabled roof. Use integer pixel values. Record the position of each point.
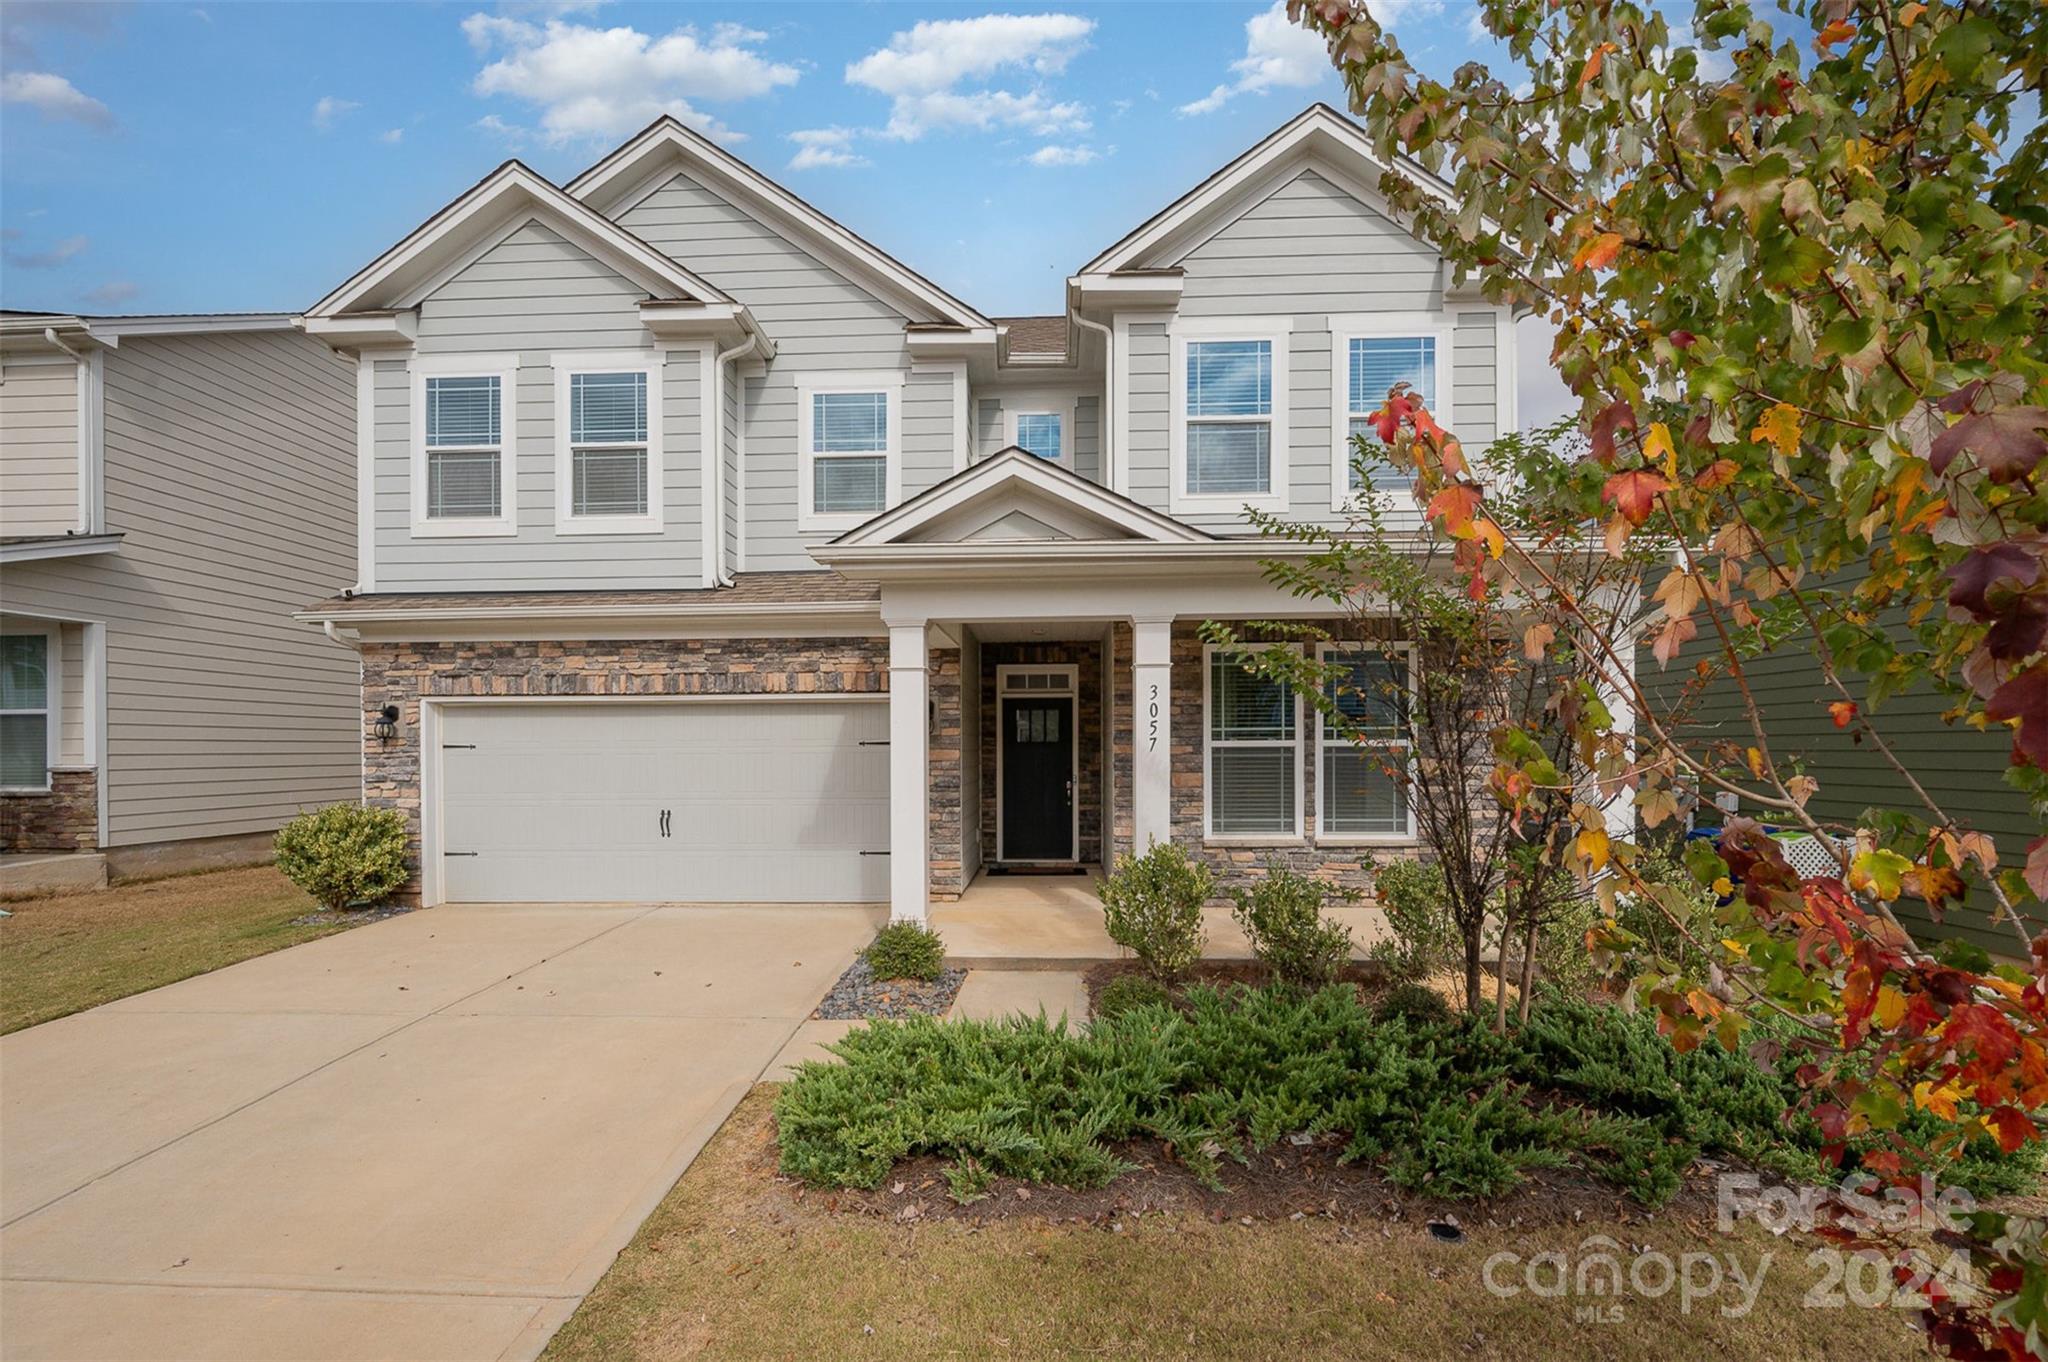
(1015, 494)
(616, 178)
(1318, 130)
(511, 195)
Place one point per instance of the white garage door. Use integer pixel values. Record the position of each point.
(710, 801)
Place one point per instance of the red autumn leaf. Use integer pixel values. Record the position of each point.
(2025, 698)
(1591, 70)
(1455, 504)
(1840, 31)
(1634, 493)
(2012, 1127)
(1962, 399)
(1598, 253)
(1715, 475)
(1843, 712)
(2015, 561)
(2020, 629)
(1388, 418)
(1683, 339)
(2037, 867)
(1611, 419)
(2007, 444)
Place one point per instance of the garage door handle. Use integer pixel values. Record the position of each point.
(873, 742)
(458, 853)
(868, 853)
(458, 747)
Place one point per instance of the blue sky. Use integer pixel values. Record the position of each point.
(176, 157)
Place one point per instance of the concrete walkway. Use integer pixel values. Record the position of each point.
(425, 1138)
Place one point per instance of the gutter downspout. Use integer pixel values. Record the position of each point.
(1106, 427)
(720, 576)
(88, 499)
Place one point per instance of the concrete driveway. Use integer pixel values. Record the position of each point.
(424, 1138)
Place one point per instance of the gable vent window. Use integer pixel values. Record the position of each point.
(1040, 433)
(1229, 417)
(608, 444)
(850, 452)
(465, 449)
(1377, 363)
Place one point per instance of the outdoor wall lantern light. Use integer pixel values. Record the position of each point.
(385, 726)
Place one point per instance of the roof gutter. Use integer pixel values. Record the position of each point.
(719, 573)
(1105, 434)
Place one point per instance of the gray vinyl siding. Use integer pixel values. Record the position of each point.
(820, 321)
(729, 456)
(1088, 437)
(230, 473)
(38, 447)
(536, 295)
(71, 714)
(988, 426)
(1963, 769)
(1304, 252)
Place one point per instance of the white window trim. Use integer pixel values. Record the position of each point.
(504, 368)
(1298, 745)
(1345, 328)
(888, 382)
(1324, 837)
(566, 365)
(1277, 331)
(53, 703)
(1042, 404)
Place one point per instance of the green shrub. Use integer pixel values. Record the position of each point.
(1422, 937)
(906, 950)
(1282, 917)
(345, 854)
(1412, 1002)
(1152, 907)
(1128, 991)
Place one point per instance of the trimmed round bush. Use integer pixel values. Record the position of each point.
(906, 950)
(345, 855)
(1129, 991)
(1152, 907)
(1282, 917)
(1412, 1003)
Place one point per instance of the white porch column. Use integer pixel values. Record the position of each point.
(1151, 732)
(909, 770)
(1620, 809)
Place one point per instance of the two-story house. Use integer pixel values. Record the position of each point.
(171, 489)
(708, 553)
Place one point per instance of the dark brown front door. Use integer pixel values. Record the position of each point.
(1038, 779)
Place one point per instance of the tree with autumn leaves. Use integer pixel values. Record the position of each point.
(1797, 262)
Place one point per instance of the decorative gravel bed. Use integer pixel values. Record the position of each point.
(349, 917)
(859, 994)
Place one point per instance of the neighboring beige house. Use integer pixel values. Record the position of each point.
(171, 489)
(707, 552)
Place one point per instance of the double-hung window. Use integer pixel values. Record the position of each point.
(1253, 742)
(849, 438)
(1361, 783)
(1230, 424)
(608, 462)
(25, 711)
(1400, 349)
(464, 423)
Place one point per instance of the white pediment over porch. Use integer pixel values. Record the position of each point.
(1016, 497)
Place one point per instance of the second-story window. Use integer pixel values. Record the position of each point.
(1042, 433)
(848, 437)
(465, 447)
(608, 444)
(1374, 365)
(1229, 417)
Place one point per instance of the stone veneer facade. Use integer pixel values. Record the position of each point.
(65, 819)
(945, 852)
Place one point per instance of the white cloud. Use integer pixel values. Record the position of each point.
(819, 148)
(924, 67)
(54, 97)
(607, 82)
(1393, 13)
(1278, 54)
(49, 258)
(392, 136)
(1056, 155)
(1475, 26)
(511, 135)
(330, 108)
(112, 293)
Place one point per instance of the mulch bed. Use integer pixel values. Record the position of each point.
(350, 917)
(859, 994)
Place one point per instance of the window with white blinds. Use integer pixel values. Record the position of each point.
(25, 711)
(1042, 433)
(465, 447)
(1229, 416)
(1375, 365)
(851, 440)
(608, 444)
(1253, 745)
(1362, 787)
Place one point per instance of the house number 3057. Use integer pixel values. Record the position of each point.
(1152, 718)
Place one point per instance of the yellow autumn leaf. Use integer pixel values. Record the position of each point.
(1723, 887)
(1941, 1101)
(1592, 844)
(1756, 762)
(1489, 534)
(1779, 428)
(1657, 448)
(1735, 947)
(1891, 1006)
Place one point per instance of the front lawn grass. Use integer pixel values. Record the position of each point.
(68, 952)
(738, 1263)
